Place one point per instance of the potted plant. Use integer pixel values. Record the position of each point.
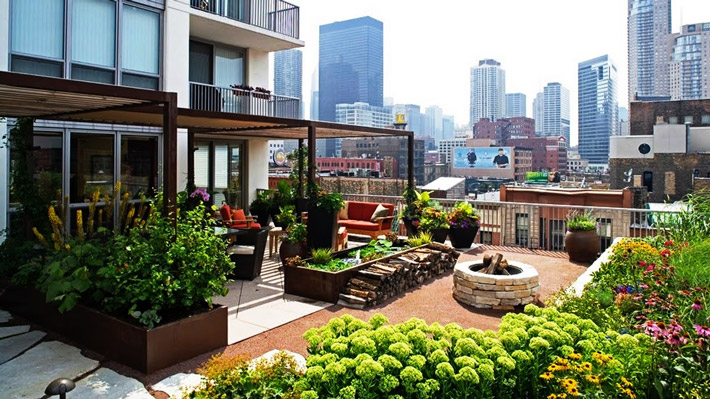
(294, 243)
(322, 217)
(281, 199)
(412, 213)
(464, 222)
(582, 241)
(433, 220)
(262, 93)
(241, 90)
(286, 217)
(261, 206)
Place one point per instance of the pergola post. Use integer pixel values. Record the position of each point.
(300, 167)
(170, 156)
(410, 159)
(191, 159)
(311, 154)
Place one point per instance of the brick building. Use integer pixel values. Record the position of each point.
(669, 147)
(381, 147)
(351, 164)
(504, 129)
(548, 153)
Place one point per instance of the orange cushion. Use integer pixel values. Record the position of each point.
(242, 225)
(238, 214)
(359, 225)
(226, 212)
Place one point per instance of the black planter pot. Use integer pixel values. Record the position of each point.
(411, 229)
(290, 249)
(322, 227)
(462, 237)
(262, 216)
(439, 235)
(302, 205)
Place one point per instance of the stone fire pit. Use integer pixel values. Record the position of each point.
(495, 291)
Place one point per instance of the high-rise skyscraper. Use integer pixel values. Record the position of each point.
(350, 64)
(288, 74)
(539, 112)
(487, 91)
(412, 115)
(363, 114)
(649, 27)
(598, 108)
(515, 105)
(314, 95)
(434, 122)
(447, 126)
(690, 57)
(556, 111)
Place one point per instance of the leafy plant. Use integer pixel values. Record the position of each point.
(297, 232)
(433, 218)
(416, 203)
(286, 217)
(263, 202)
(331, 202)
(421, 239)
(321, 256)
(581, 221)
(692, 224)
(283, 196)
(375, 249)
(463, 215)
(691, 264)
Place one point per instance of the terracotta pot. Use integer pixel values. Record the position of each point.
(439, 235)
(582, 246)
(290, 249)
(462, 237)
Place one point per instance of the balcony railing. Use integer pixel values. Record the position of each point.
(274, 15)
(226, 99)
(542, 226)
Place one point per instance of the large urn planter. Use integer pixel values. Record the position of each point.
(582, 246)
(412, 230)
(262, 216)
(146, 350)
(439, 235)
(462, 237)
(289, 249)
(322, 227)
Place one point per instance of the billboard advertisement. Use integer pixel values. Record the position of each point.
(536, 177)
(482, 157)
(279, 157)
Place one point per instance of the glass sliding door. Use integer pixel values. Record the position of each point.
(91, 166)
(219, 167)
(139, 165)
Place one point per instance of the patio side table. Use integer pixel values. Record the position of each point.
(274, 239)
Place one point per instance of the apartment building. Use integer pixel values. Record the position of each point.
(213, 54)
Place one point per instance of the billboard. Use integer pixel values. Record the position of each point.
(482, 157)
(536, 177)
(279, 157)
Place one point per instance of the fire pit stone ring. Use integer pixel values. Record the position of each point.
(494, 291)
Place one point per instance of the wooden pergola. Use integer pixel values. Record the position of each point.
(39, 97)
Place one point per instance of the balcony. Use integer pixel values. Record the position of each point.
(274, 15)
(226, 99)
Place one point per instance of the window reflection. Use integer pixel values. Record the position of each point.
(92, 166)
(139, 165)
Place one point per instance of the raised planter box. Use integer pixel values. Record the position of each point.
(141, 349)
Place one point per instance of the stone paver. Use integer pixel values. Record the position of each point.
(13, 346)
(5, 316)
(106, 383)
(298, 358)
(28, 375)
(13, 330)
(176, 384)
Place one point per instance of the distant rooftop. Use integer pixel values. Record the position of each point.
(444, 183)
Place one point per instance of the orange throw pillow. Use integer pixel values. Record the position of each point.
(225, 211)
(238, 215)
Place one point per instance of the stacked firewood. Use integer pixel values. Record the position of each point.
(494, 264)
(392, 275)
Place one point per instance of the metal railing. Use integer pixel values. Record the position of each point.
(541, 226)
(274, 15)
(226, 99)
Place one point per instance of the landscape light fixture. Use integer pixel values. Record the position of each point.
(60, 387)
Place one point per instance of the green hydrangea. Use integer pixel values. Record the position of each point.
(400, 350)
(466, 361)
(532, 310)
(339, 348)
(586, 324)
(377, 320)
(436, 330)
(510, 340)
(362, 344)
(328, 358)
(410, 375)
(506, 363)
(436, 344)
(383, 335)
(566, 350)
(309, 395)
(538, 344)
(356, 325)
(467, 346)
(336, 325)
(475, 334)
(586, 346)
(521, 356)
(416, 361)
(369, 369)
(347, 392)
(572, 330)
(496, 351)
(334, 371)
(551, 336)
(486, 372)
(444, 371)
(427, 389)
(315, 373)
(395, 397)
(438, 356)
(467, 375)
(313, 338)
(348, 363)
(313, 360)
(388, 383)
(389, 362)
(417, 338)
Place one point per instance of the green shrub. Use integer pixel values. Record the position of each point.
(693, 264)
(581, 221)
(297, 232)
(690, 225)
(286, 217)
(421, 239)
(321, 256)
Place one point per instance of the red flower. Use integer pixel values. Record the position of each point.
(642, 263)
(666, 253)
(668, 243)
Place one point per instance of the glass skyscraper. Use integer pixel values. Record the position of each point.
(598, 108)
(288, 74)
(648, 37)
(689, 74)
(350, 64)
(487, 91)
(515, 105)
(555, 118)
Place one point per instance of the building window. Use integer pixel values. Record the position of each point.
(219, 168)
(688, 119)
(140, 52)
(673, 120)
(522, 228)
(647, 181)
(486, 237)
(93, 33)
(557, 234)
(38, 37)
(605, 232)
(705, 119)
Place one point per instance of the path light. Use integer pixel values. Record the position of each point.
(60, 387)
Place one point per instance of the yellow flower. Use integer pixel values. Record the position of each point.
(626, 382)
(573, 391)
(593, 379)
(40, 237)
(67, 246)
(561, 361)
(575, 356)
(562, 396)
(587, 366)
(552, 396)
(547, 376)
(569, 383)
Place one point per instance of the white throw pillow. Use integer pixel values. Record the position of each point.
(379, 212)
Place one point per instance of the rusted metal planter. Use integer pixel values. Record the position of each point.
(142, 349)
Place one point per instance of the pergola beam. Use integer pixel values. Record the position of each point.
(311, 155)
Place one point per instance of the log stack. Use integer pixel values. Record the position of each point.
(390, 276)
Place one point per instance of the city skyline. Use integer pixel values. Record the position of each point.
(411, 82)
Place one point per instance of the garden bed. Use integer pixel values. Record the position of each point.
(146, 350)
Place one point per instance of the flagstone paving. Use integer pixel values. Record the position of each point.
(13, 330)
(106, 383)
(175, 384)
(13, 346)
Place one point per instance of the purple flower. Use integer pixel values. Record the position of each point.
(202, 193)
(697, 305)
(702, 331)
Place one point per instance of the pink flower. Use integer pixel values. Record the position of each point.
(676, 339)
(702, 331)
(642, 263)
(666, 253)
(697, 305)
(668, 243)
